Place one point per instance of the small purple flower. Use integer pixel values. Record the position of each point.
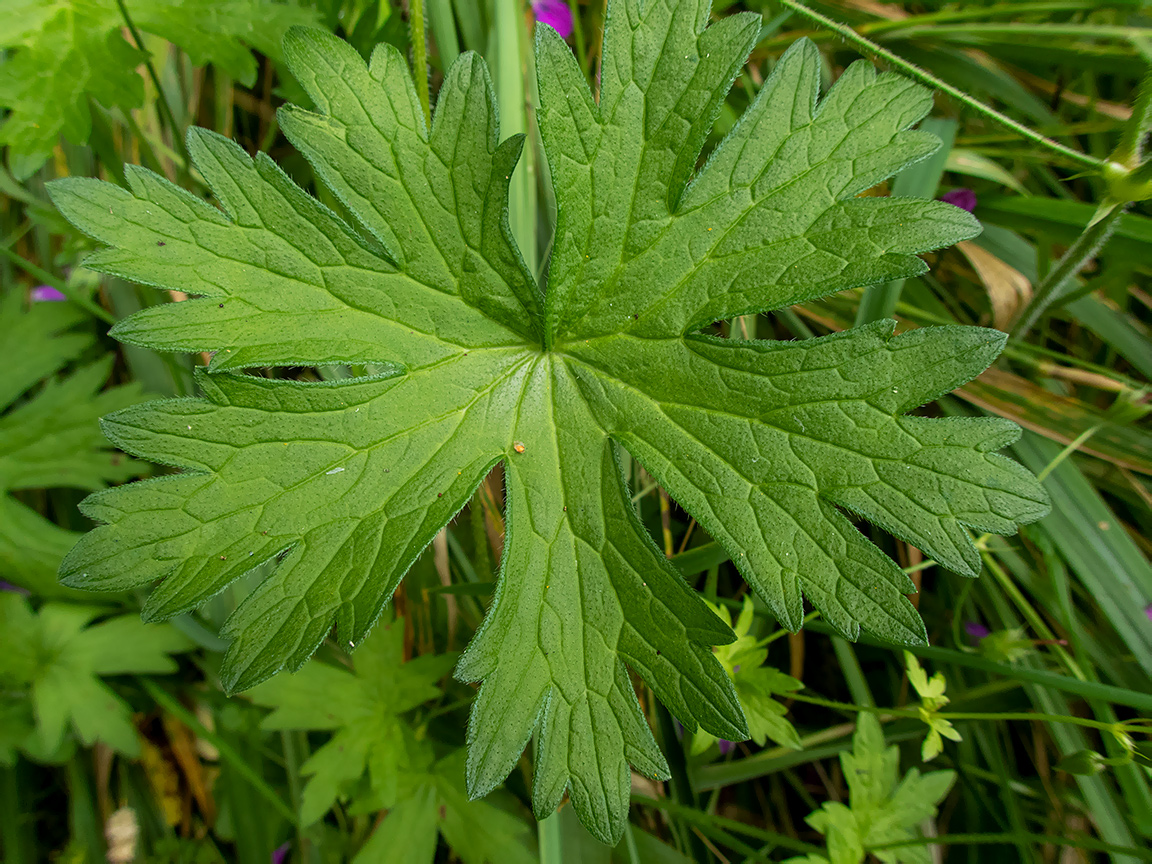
(725, 746)
(46, 293)
(554, 13)
(1148, 611)
(8, 586)
(280, 853)
(963, 198)
(976, 630)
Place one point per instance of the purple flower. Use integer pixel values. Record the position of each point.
(280, 853)
(42, 293)
(963, 198)
(554, 13)
(976, 630)
(725, 746)
(1148, 611)
(8, 586)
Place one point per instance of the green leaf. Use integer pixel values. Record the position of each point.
(67, 51)
(52, 438)
(755, 685)
(344, 483)
(371, 739)
(57, 659)
(363, 710)
(479, 832)
(881, 810)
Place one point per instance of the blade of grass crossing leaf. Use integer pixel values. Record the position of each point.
(920, 180)
(471, 17)
(510, 64)
(444, 30)
(549, 833)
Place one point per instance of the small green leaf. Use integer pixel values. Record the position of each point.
(374, 745)
(881, 810)
(755, 685)
(58, 659)
(363, 708)
(932, 699)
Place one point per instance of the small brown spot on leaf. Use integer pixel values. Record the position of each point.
(518, 447)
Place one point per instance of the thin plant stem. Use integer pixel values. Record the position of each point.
(1072, 447)
(913, 713)
(578, 34)
(690, 814)
(1100, 31)
(1079, 254)
(166, 115)
(60, 285)
(924, 77)
(170, 704)
(420, 58)
(1081, 842)
(1031, 615)
(976, 13)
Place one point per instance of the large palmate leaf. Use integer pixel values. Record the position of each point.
(344, 484)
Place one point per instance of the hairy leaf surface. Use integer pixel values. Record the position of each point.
(766, 444)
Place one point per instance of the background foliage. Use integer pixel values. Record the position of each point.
(116, 741)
